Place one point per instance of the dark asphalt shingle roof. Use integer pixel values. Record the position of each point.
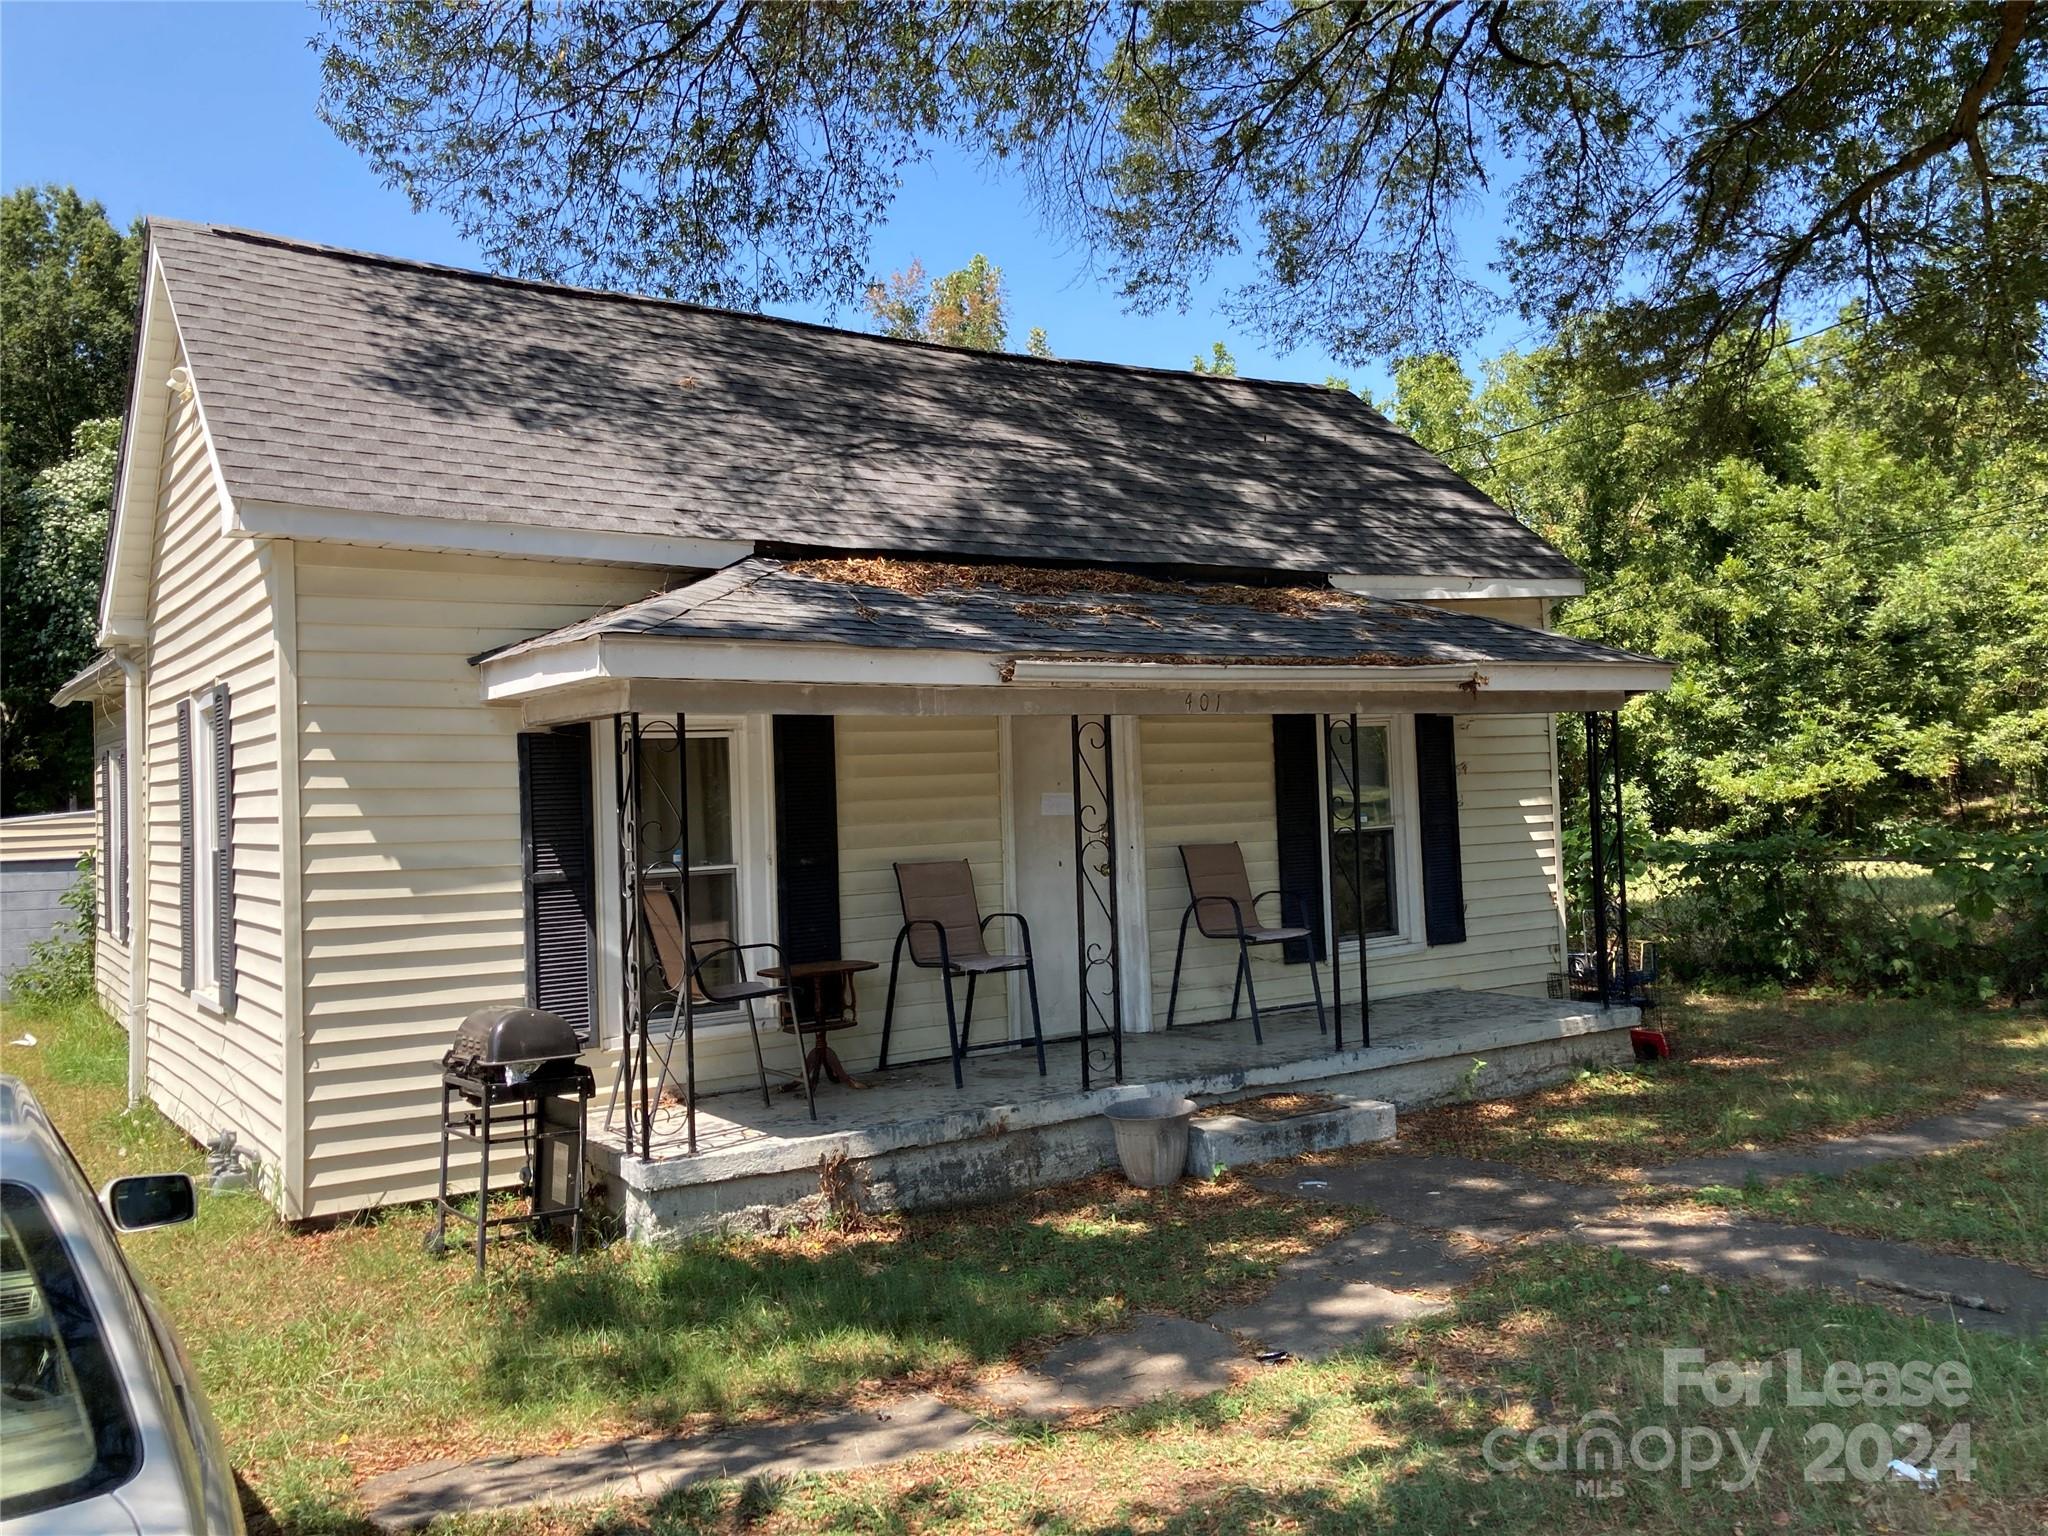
(334, 379)
(762, 600)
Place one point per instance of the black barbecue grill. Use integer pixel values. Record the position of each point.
(512, 1076)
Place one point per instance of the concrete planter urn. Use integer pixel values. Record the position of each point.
(1152, 1137)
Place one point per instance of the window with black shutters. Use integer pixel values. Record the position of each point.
(1363, 815)
(557, 848)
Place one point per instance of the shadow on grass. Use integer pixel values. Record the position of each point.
(726, 1329)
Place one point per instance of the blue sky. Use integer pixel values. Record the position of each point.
(206, 111)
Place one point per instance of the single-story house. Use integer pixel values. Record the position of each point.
(447, 617)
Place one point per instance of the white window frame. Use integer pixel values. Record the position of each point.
(1407, 937)
(115, 854)
(750, 762)
(206, 839)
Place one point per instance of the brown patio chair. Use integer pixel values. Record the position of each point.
(1221, 902)
(665, 927)
(947, 933)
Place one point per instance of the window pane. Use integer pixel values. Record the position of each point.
(62, 1416)
(1376, 860)
(714, 907)
(710, 794)
(710, 800)
(1371, 794)
(1361, 813)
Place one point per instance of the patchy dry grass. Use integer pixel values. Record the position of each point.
(330, 1355)
(1753, 1071)
(1393, 1439)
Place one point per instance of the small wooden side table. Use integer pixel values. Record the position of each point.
(832, 1007)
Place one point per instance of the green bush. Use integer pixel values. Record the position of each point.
(1795, 907)
(1752, 909)
(59, 969)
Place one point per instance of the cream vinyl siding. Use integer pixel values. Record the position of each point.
(1211, 780)
(412, 908)
(211, 605)
(1507, 845)
(912, 789)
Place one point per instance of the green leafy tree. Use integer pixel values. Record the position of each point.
(1219, 364)
(1859, 613)
(57, 540)
(967, 308)
(1689, 173)
(68, 281)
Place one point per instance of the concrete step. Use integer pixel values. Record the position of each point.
(1219, 1141)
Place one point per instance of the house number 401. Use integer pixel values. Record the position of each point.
(1204, 703)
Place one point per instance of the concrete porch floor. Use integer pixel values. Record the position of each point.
(921, 1141)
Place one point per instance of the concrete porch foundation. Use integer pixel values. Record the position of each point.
(918, 1142)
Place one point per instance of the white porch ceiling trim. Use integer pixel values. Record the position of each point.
(610, 658)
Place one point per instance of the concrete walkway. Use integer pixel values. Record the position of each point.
(1382, 1274)
(1496, 1204)
(1847, 1154)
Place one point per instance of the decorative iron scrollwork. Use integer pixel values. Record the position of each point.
(1095, 901)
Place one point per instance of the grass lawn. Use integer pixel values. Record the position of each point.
(1753, 1071)
(1394, 1439)
(334, 1354)
(1989, 1199)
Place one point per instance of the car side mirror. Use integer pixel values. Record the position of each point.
(145, 1200)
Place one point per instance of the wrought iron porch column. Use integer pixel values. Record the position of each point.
(1358, 885)
(1607, 889)
(1095, 884)
(632, 1019)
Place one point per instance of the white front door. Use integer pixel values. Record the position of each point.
(1042, 869)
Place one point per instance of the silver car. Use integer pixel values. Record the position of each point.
(103, 1428)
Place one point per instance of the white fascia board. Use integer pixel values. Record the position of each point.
(1491, 676)
(779, 661)
(617, 657)
(132, 626)
(1424, 589)
(541, 670)
(408, 530)
(601, 658)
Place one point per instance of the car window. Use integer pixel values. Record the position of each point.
(62, 1414)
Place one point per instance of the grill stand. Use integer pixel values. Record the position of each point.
(541, 1135)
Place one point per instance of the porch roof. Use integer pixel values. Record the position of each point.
(872, 622)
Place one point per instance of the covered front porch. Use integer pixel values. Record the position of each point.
(912, 1139)
(775, 751)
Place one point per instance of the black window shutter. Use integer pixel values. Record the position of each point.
(806, 837)
(120, 876)
(557, 847)
(1436, 794)
(185, 844)
(1298, 824)
(225, 978)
